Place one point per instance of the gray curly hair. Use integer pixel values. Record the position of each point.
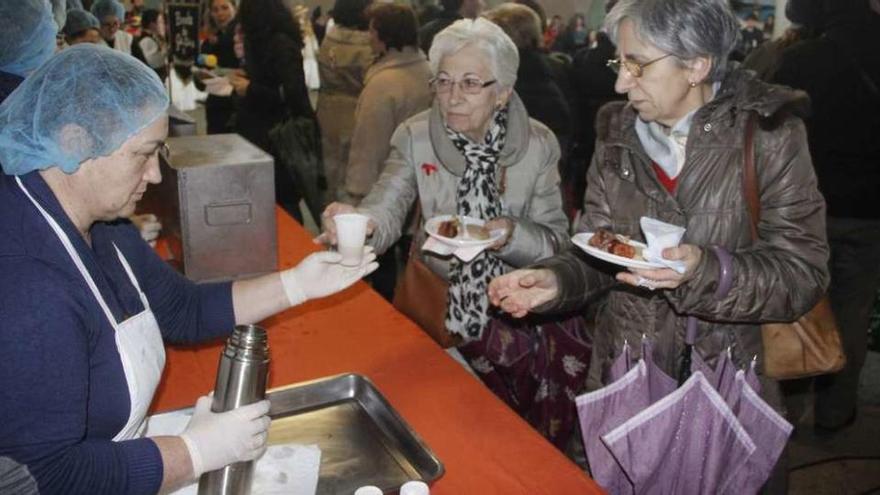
(485, 35)
(685, 28)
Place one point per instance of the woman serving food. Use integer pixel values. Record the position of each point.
(85, 303)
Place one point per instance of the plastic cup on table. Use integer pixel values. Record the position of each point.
(351, 234)
(415, 488)
(368, 490)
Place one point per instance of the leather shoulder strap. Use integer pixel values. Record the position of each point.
(750, 174)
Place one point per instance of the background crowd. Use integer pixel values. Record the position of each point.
(544, 127)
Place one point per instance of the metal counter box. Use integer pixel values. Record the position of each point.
(216, 203)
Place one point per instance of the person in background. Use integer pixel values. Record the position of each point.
(553, 30)
(538, 9)
(343, 59)
(81, 27)
(271, 86)
(535, 84)
(27, 39)
(319, 24)
(574, 37)
(476, 153)
(453, 10)
(593, 86)
(806, 23)
(674, 152)
(840, 70)
(151, 47)
(769, 26)
(752, 35)
(395, 88)
(87, 303)
(310, 48)
(219, 110)
(111, 13)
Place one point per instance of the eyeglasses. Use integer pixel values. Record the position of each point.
(468, 85)
(164, 151)
(635, 69)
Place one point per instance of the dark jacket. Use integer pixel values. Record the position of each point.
(277, 88)
(543, 98)
(844, 127)
(219, 109)
(778, 279)
(429, 30)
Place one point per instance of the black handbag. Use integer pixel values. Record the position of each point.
(296, 143)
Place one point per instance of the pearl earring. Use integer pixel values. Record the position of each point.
(692, 84)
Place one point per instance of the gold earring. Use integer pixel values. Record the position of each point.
(692, 84)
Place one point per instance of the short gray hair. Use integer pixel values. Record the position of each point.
(685, 28)
(484, 35)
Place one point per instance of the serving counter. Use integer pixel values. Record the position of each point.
(485, 447)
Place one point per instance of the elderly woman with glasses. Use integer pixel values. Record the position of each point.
(475, 152)
(675, 152)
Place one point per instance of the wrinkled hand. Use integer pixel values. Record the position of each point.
(666, 278)
(148, 225)
(500, 223)
(321, 274)
(215, 440)
(328, 236)
(519, 291)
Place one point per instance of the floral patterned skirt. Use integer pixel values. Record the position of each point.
(537, 365)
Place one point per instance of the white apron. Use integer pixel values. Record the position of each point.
(138, 338)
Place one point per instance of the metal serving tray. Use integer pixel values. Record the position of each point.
(363, 440)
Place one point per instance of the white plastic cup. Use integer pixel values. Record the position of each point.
(415, 488)
(351, 234)
(368, 490)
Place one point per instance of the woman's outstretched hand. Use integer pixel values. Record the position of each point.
(519, 291)
(665, 278)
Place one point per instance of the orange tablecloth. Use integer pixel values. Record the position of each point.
(485, 447)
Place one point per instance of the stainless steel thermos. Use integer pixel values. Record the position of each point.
(241, 380)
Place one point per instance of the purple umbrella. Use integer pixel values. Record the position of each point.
(712, 434)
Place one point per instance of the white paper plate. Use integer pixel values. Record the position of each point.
(582, 241)
(433, 224)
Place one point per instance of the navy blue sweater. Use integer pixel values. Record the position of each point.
(63, 394)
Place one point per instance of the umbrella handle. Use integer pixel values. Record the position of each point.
(725, 281)
(690, 338)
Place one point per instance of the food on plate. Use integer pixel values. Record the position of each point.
(449, 228)
(613, 243)
(456, 228)
(477, 232)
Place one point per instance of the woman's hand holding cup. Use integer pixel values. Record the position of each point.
(328, 224)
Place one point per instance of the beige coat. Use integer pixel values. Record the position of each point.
(395, 88)
(425, 165)
(343, 59)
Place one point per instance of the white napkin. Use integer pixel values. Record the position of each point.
(465, 254)
(287, 469)
(659, 236)
(218, 86)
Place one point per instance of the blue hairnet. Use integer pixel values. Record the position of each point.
(78, 21)
(103, 8)
(27, 35)
(85, 102)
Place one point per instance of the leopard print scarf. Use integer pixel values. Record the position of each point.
(477, 196)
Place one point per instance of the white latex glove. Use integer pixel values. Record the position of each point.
(321, 274)
(215, 440)
(148, 225)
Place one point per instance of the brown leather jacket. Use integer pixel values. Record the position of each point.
(776, 279)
